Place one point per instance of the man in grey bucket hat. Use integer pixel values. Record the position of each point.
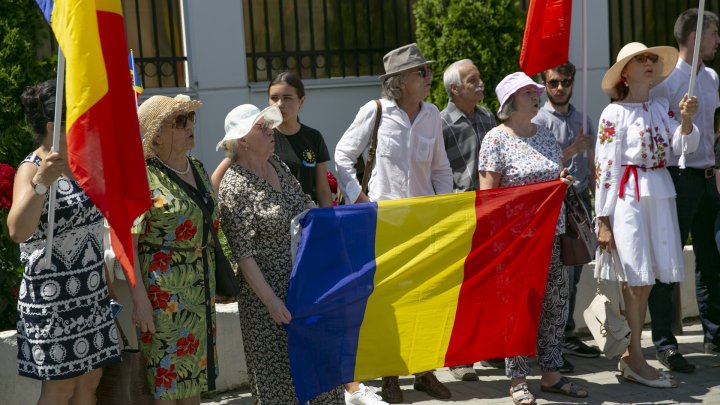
(410, 159)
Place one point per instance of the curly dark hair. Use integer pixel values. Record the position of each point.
(38, 101)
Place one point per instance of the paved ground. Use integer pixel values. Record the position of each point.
(597, 375)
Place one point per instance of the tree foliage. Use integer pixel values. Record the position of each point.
(21, 30)
(488, 32)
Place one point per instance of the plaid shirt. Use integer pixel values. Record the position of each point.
(463, 136)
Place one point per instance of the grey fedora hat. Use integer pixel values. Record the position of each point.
(403, 59)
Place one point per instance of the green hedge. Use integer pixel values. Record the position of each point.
(21, 30)
(487, 32)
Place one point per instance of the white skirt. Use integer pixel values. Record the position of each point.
(647, 238)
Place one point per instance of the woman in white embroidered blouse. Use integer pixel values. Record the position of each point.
(634, 200)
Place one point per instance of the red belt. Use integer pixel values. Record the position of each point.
(632, 169)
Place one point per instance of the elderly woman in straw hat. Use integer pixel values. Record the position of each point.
(174, 304)
(518, 152)
(635, 197)
(260, 197)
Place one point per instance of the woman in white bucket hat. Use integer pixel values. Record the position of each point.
(260, 198)
(635, 197)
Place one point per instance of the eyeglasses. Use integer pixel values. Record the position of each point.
(644, 57)
(423, 72)
(553, 84)
(181, 121)
(264, 125)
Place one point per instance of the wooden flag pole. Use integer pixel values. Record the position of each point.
(696, 48)
(57, 126)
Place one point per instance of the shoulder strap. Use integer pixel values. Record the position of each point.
(373, 147)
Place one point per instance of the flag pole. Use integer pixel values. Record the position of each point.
(696, 49)
(57, 124)
(584, 70)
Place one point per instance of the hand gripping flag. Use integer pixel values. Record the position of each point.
(547, 35)
(103, 135)
(404, 286)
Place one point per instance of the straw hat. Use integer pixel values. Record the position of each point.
(242, 118)
(403, 59)
(668, 57)
(512, 83)
(153, 113)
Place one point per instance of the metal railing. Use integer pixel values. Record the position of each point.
(323, 38)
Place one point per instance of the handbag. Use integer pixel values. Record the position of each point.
(578, 243)
(366, 167)
(226, 284)
(605, 321)
(125, 383)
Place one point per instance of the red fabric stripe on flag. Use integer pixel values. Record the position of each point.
(104, 147)
(505, 273)
(547, 35)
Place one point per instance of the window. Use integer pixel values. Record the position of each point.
(154, 33)
(323, 38)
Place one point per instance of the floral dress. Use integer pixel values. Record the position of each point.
(528, 160)
(65, 328)
(635, 190)
(256, 220)
(178, 264)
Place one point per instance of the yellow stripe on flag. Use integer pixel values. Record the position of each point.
(410, 314)
(80, 45)
(113, 6)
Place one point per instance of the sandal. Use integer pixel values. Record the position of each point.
(565, 387)
(524, 396)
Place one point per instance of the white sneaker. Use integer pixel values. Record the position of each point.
(364, 396)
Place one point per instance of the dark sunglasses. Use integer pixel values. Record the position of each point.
(424, 72)
(644, 57)
(553, 84)
(181, 121)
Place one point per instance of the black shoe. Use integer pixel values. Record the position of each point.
(674, 361)
(576, 347)
(566, 367)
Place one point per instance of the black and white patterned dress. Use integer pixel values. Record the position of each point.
(256, 220)
(65, 328)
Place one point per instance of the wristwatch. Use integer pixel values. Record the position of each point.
(39, 188)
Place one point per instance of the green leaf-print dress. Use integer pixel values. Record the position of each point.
(178, 272)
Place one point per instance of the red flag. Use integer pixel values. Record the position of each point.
(547, 35)
(103, 134)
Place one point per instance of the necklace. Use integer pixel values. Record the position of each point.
(180, 172)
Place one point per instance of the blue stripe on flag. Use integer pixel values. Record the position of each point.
(46, 6)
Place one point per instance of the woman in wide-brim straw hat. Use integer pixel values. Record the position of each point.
(174, 299)
(635, 197)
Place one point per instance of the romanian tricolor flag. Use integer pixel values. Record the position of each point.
(404, 286)
(135, 75)
(103, 135)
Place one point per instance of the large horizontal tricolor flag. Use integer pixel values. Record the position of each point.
(405, 286)
(103, 135)
(547, 35)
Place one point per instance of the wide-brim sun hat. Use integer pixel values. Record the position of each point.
(512, 83)
(667, 58)
(242, 118)
(155, 111)
(403, 59)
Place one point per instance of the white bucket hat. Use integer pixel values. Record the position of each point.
(512, 83)
(242, 118)
(668, 57)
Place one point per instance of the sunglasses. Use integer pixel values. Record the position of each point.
(642, 58)
(423, 72)
(181, 121)
(553, 84)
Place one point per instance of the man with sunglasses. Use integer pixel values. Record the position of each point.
(697, 199)
(410, 159)
(566, 123)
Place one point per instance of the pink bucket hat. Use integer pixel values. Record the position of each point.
(512, 83)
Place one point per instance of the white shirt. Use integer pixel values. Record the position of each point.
(706, 89)
(410, 159)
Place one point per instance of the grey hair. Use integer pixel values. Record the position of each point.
(391, 86)
(452, 75)
(507, 109)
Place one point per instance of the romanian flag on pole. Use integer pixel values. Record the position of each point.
(405, 286)
(135, 75)
(547, 35)
(103, 135)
